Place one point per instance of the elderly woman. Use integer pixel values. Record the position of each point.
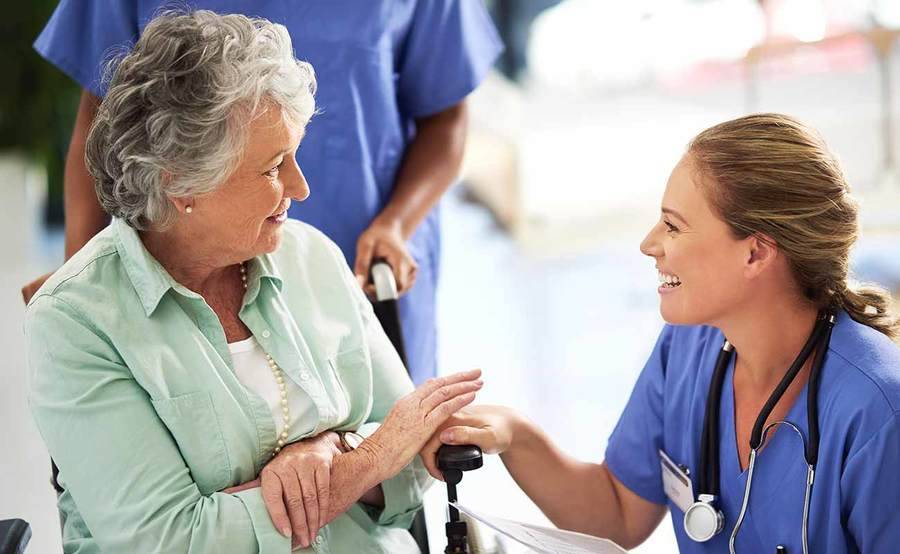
(194, 367)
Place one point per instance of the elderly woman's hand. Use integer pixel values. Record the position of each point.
(492, 428)
(416, 416)
(384, 239)
(296, 489)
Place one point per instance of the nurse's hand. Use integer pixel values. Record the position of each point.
(492, 428)
(32, 287)
(384, 239)
(296, 488)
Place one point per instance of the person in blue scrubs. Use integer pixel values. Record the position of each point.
(752, 244)
(386, 143)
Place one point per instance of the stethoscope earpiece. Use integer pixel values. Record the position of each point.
(702, 521)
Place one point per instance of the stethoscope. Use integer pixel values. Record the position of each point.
(704, 520)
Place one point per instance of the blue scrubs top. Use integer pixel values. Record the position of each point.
(854, 506)
(380, 64)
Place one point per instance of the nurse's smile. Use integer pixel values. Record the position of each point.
(691, 243)
(667, 282)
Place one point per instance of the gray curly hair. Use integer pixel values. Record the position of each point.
(175, 118)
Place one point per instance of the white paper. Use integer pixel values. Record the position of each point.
(545, 539)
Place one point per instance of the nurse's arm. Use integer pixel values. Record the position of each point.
(84, 216)
(429, 166)
(575, 495)
(431, 163)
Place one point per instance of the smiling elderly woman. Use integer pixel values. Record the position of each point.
(189, 366)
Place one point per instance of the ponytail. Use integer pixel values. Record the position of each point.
(872, 306)
(771, 174)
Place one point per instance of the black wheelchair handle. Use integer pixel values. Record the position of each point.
(453, 460)
(459, 457)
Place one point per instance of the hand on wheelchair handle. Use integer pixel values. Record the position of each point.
(384, 240)
(490, 428)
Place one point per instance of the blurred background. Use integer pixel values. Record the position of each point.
(572, 139)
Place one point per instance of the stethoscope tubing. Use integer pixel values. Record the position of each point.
(745, 502)
(709, 484)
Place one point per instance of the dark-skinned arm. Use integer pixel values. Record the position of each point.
(84, 216)
(430, 165)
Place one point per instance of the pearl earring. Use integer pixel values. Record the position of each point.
(189, 210)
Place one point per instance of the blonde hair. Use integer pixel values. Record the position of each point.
(770, 175)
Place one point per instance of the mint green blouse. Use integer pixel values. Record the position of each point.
(131, 386)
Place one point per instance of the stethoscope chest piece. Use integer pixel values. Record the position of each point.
(702, 521)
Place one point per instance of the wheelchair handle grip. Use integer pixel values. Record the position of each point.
(382, 276)
(459, 457)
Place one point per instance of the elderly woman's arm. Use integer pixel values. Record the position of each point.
(307, 485)
(117, 459)
(399, 423)
(383, 481)
(402, 494)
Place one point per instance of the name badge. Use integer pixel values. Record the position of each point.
(676, 482)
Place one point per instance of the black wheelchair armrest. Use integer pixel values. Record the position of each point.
(14, 536)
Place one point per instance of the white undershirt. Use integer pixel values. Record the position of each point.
(252, 370)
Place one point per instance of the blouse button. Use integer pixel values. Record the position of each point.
(304, 376)
(266, 334)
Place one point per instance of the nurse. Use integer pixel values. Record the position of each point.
(385, 144)
(752, 247)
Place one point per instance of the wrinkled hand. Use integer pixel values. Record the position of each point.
(416, 416)
(295, 486)
(32, 287)
(384, 239)
(488, 427)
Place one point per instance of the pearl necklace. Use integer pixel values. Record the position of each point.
(278, 374)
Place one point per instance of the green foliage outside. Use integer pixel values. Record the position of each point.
(37, 101)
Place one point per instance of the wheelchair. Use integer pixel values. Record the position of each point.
(14, 536)
(452, 460)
